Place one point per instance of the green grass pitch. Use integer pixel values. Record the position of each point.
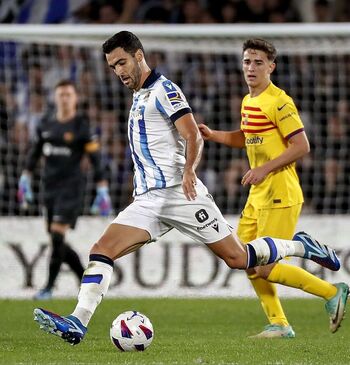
(187, 331)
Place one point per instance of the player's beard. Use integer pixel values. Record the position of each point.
(135, 77)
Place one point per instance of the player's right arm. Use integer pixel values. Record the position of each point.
(102, 203)
(234, 139)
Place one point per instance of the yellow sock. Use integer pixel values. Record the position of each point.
(299, 278)
(270, 302)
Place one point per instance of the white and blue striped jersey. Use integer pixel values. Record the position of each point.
(157, 148)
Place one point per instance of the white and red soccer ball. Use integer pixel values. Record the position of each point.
(131, 331)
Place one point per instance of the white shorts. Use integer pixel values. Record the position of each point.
(160, 210)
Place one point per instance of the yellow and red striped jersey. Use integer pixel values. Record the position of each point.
(268, 121)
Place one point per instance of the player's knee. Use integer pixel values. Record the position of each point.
(235, 262)
(99, 248)
(104, 246)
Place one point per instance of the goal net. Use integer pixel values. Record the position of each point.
(313, 66)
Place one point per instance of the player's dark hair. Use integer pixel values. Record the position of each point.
(66, 83)
(124, 39)
(261, 45)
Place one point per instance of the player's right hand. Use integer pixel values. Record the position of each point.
(24, 193)
(206, 132)
(189, 182)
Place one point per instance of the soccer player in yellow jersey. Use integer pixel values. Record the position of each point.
(273, 135)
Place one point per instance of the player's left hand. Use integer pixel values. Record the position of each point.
(24, 192)
(254, 176)
(102, 203)
(189, 182)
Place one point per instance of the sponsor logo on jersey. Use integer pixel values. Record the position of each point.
(287, 116)
(45, 134)
(68, 137)
(254, 140)
(137, 114)
(179, 106)
(50, 150)
(172, 93)
(174, 97)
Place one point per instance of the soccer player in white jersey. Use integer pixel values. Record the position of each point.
(166, 146)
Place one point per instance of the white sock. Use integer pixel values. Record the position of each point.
(94, 286)
(266, 250)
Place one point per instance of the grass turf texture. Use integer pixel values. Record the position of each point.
(187, 331)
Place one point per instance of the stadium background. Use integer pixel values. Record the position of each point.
(197, 45)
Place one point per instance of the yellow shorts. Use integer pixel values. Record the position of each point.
(276, 222)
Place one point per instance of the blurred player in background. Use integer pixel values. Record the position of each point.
(63, 138)
(166, 146)
(274, 137)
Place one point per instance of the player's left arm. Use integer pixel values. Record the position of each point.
(291, 127)
(188, 129)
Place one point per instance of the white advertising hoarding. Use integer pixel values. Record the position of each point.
(175, 266)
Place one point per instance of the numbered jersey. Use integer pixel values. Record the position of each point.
(157, 149)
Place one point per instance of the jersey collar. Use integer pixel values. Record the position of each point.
(151, 79)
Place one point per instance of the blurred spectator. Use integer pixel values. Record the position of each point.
(322, 11)
(228, 13)
(252, 11)
(158, 60)
(232, 194)
(154, 11)
(191, 12)
(108, 14)
(200, 87)
(282, 11)
(172, 11)
(341, 10)
(36, 109)
(45, 11)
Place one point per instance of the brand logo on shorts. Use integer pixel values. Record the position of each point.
(201, 215)
(216, 227)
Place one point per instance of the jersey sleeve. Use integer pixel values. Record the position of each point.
(35, 149)
(91, 143)
(171, 102)
(92, 148)
(287, 118)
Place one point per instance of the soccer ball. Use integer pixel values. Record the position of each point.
(131, 331)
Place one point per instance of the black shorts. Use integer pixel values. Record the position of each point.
(63, 203)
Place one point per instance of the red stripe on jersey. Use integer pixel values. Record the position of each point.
(257, 130)
(253, 116)
(256, 123)
(252, 108)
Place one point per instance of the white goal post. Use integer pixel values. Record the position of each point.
(208, 38)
